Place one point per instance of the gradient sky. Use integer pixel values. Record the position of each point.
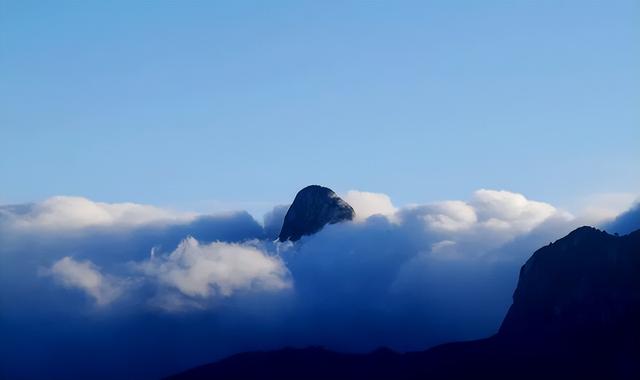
(196, 104)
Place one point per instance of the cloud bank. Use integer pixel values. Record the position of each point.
(406, 277)
(69, 213)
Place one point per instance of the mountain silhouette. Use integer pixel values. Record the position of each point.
(313, 208)
(575, 314)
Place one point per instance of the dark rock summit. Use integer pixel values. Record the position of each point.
(585, 281)
(575, 315)
(313, 208)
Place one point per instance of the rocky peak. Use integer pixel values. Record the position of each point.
(587, 280)
(313, 208)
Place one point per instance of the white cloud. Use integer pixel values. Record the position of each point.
(488, 220)
(206, 270)
(499, 212)
(448, 216)
(366, 204)
(68, 213)
(86, 277)
(499, 209)
(597, 208)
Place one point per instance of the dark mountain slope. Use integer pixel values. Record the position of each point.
(575, 314)
(584, 281)
(313, 208)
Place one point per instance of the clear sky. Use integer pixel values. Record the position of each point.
(195, 103)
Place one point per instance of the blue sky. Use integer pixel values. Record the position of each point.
(243, 103)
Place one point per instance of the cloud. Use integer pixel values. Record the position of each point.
(486, 221)
(492, 209)
(68, 213)
(366, 204)
(444, 248)
(626, 222)
(488, 209)
(85, 276)
(273, 220)
(405, 277)
(504, 209)
(448, 216)
(217, 269)
(605, 206)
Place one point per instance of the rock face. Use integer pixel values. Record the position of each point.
(575, 315)
(588, 280)
(313, 208)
